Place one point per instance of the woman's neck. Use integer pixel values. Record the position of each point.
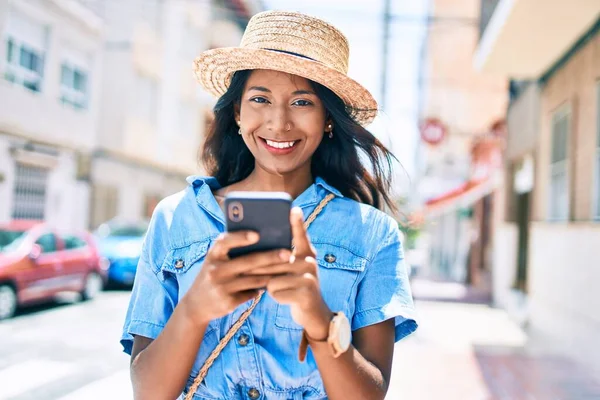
(293, 183)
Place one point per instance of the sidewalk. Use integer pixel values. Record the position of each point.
(466, 350)
(448, 292)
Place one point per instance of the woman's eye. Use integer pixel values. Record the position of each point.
(260, 100)
(302, 103)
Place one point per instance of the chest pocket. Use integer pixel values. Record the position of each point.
(339, 270)
(183, 264)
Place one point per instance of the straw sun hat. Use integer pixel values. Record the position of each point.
(293, 43)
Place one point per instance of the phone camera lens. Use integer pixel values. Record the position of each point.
(235, 212)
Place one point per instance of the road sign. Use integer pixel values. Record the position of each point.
(433, 131)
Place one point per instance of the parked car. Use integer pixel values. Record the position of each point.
(120, 242)
(37, 263)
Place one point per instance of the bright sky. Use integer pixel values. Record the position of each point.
(362, 23)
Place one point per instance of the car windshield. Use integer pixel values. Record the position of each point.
(122, 230)
(10, 239)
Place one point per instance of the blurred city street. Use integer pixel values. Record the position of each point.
(462, 351)
(491, 107)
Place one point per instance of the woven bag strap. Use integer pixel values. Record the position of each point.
(238, 324)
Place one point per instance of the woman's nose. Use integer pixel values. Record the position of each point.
(279, 120)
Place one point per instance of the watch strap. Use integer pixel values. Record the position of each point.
(331, 340)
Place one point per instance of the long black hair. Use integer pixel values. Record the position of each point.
(337, 161)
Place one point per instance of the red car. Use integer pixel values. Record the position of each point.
(37, 263)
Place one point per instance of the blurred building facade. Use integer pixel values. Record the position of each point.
(467, 103)
(153, 114)
(546, 252)
(51, 73)
(103, 116)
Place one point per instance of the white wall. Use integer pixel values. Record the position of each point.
(133, 184)
(504, 273)
(67, 200)
(564, 296)
(164, 56)
(505, 257)
(53, 122)
(39, 117)
(180, 131)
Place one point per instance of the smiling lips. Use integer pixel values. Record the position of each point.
(280, 147)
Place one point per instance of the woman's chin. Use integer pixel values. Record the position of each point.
(279, 168)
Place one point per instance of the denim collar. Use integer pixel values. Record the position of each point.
(203, 186)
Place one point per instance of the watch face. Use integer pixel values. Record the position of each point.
(344, 333)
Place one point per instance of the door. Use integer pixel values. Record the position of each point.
(523, 240)
(42, 280)
(78, 260)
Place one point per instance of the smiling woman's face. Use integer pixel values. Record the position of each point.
(282, 121)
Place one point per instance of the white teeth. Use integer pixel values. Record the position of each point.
(280, 145)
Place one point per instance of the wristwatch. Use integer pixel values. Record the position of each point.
(339, 338)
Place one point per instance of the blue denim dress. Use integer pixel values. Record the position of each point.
(361, 272)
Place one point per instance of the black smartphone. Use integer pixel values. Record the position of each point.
(267, 213)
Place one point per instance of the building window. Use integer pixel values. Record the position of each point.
(29, 192)
(73, 242)
(10, 49)
(73, 86)
(596, 203)
(24, 65)
(26, 44)
(47, 242)
(146, 100)
(559, 166)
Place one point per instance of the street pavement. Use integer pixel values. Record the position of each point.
(462, 351)
(66, 352)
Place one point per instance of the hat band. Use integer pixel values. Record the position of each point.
(292, 53)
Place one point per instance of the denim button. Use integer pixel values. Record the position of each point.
(243, 339)
(179, 264)
(330, 258)
(253, 393)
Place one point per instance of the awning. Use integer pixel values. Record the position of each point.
(524, 38)
(463, 196)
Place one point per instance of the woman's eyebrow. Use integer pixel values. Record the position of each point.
(260, 89)
(297, 92)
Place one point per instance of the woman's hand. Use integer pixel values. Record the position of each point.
(296, 283)
(223, 284)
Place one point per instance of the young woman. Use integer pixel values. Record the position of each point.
(288, 119)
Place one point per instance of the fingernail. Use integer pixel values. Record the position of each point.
(284, 255)
(297, 211)
(252, 236)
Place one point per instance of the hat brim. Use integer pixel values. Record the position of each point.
(214, 69)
